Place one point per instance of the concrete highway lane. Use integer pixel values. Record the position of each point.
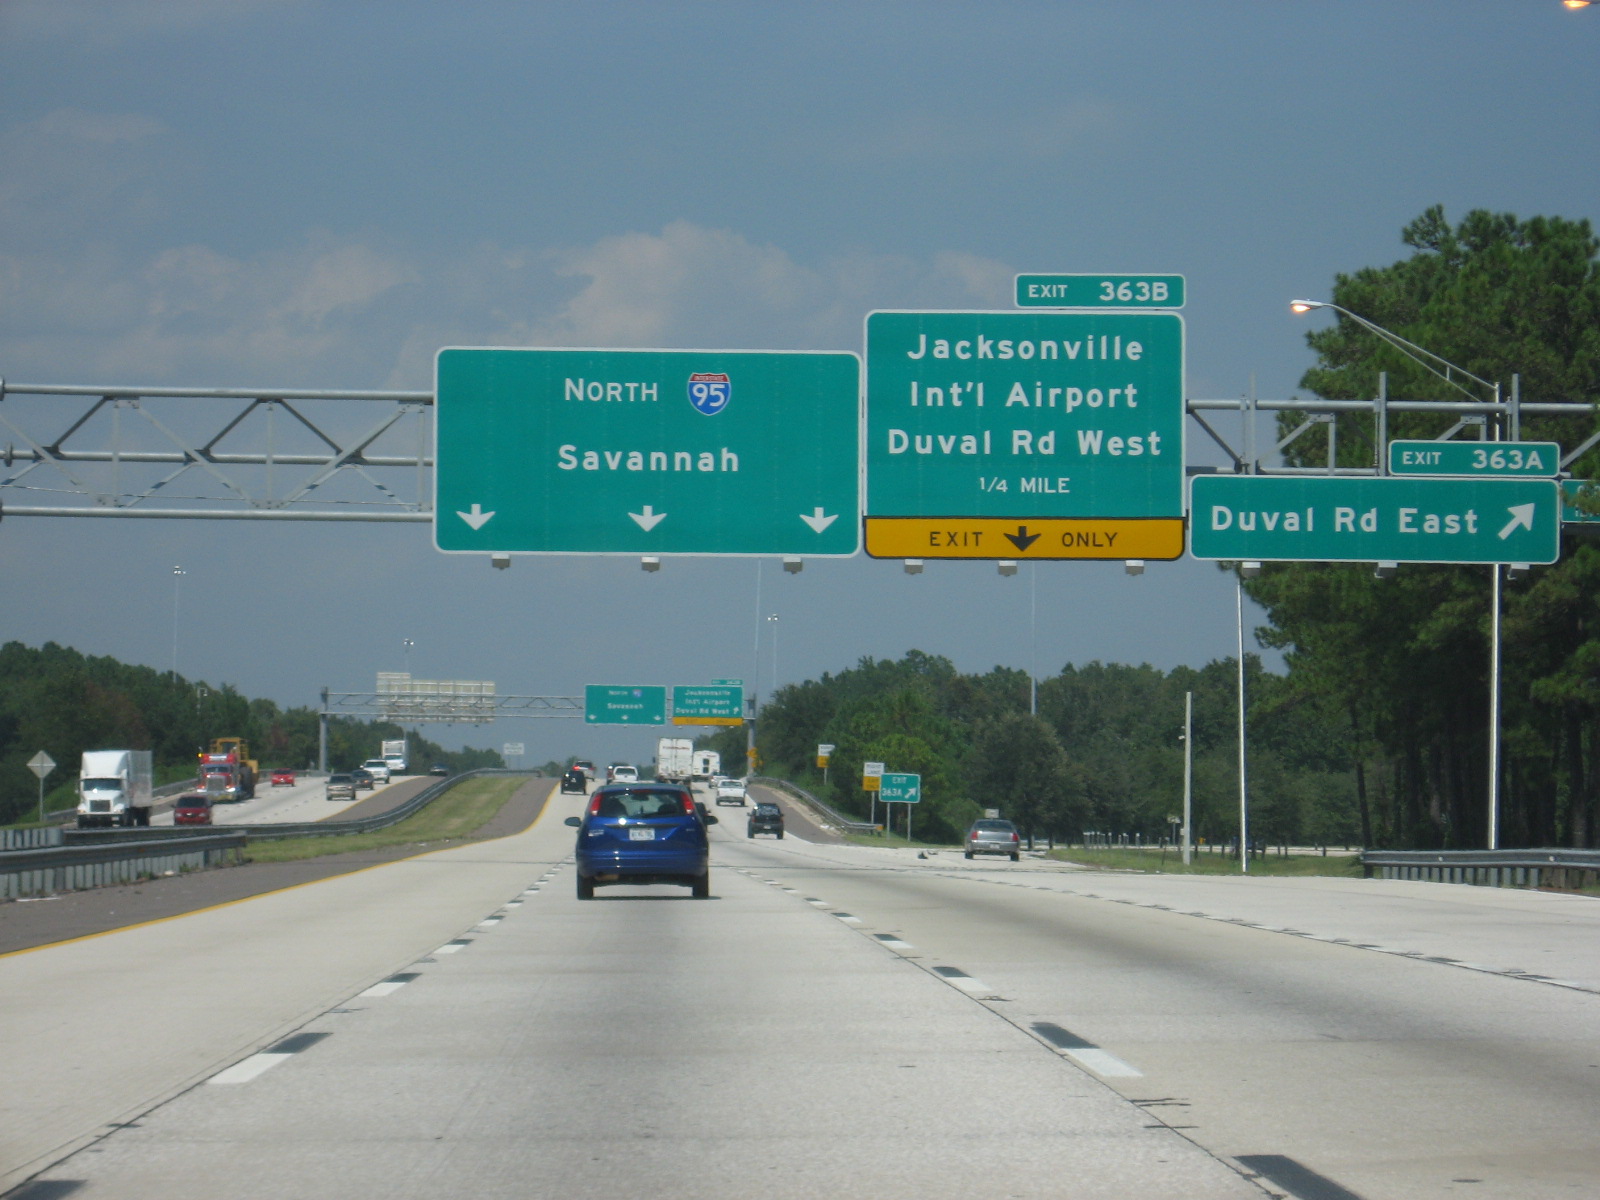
(462, 1024)
(1389, 1065)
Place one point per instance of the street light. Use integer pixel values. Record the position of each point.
(177, 574)
(1443, 368)
(773, 621)
(1449, 372)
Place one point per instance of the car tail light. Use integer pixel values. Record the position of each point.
(1014, 836)
(689, 810)
(594, 805)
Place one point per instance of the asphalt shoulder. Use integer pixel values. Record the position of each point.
(38, 921)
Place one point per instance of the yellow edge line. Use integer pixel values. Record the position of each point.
(86, 937)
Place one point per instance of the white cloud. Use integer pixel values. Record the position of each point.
(341, 312)
(693, 286)
(78, 173)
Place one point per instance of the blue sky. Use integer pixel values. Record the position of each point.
(293, 193)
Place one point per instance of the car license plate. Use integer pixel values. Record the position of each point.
(641, 833)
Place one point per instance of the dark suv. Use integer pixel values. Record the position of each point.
(989, 836)
(574, 781)
(765, 818)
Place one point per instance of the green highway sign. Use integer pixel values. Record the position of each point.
(1375, 519)
(1024, 415)
(647, 452)
(624, 704)
(697, 705)
(1522, 460)
(1570, 489)
(727, 682)
(1099, 291)
(899, 788)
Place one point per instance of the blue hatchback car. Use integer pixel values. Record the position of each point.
(643, 833)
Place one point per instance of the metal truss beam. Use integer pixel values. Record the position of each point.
(215, 453)
(295, 454)
(429, 708)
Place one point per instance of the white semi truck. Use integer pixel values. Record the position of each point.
(115, 788)
(674, 760)
(394, 754)
(706, 764)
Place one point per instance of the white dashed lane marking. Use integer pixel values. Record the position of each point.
(390, 985)
(258, 1064)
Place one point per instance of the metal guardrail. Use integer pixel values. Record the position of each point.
(1487, 868)
(805, 797)
(94, 857)
(68, 868)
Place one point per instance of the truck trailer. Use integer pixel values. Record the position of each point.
(115, 787)
(674, 760)
(706, 764)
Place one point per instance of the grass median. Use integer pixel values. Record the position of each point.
(1170, 862)
(453, 817)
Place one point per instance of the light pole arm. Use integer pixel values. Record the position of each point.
(1442, 367)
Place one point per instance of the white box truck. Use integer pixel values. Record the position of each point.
(674, 760)
(114, 788)
(394, 754)
(706, 764)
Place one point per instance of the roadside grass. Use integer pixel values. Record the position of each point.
(453, 817)
(887, 838)
(1152, 860)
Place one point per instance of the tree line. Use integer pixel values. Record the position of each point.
(62, 702)
(1104, 752)
(1406, 660)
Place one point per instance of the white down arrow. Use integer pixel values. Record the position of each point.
(649, 518)
(818, 520)
(477, 518)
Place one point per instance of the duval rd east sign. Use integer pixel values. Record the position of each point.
(1024, 435)
(1371, 519)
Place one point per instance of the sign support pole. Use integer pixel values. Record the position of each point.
(1188, 771)
(1494, 685)
(1494, 710)
(1244, 806)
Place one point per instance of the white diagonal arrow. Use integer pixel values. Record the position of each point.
(649, 518)
(1521, 514)
(818, 520)
(477, 518)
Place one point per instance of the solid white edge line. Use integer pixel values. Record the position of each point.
(387, 988)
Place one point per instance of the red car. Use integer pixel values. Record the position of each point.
(193, 809)
(282, 778)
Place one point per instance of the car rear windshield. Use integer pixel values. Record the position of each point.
(994, 826)
(650, 802)
(193, 802)
(766, 810)
(340, 778)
